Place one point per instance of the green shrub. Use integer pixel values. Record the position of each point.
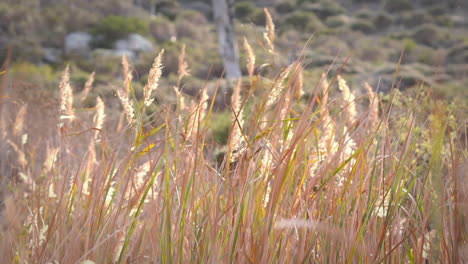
(325, 9)
(431, 35)
(112, 28)
(394, 6)
(383, 20)
(168, 8)
(409, 44)
(364, 26)
(221, 124)
(365, 14)
(244, 10)
(336, 21)
(445, 21)
(300, 2)
(302, 21)
(162, 29)
(412, 19)
(285, 7)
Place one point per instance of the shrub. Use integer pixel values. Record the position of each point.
(383, 20)
(162, 29)
(394, 6)
(112, 28)
(336, 21)
(300, 2)
(244, 10)
(168, 8)
(431, 35)
(284, 7)
(221, 126)
(302, 21)
(329, 8)
(409, 44)
(365, 14)
(411, 19)
(364, 26)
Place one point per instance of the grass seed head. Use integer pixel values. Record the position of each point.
(153, 78)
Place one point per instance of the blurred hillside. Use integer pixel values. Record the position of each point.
(44, 35)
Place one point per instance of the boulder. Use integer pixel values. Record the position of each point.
(133, 45)
(78, 43)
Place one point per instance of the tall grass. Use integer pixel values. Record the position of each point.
(302, 180)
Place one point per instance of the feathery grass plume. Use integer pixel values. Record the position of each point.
(327, 142)
(269, 36)
(349, 101)
(278, 86)
(99, 117)
(373, 107)
(88, 86)
(237, 144)
(204, 99)
(66, 96)
(127, 105)
(153, 78)
(325, 88)
(192, 125)
(183, 69)
(127, 74)
(89, 167)
(3, 131)
(22, 161)
(19, 121)
(51, 157)
(250, 58)
(297, 80)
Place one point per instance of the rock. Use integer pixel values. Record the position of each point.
(78, 43)
(52, 55)
(134, 43)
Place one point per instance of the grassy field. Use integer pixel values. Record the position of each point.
(309, 174)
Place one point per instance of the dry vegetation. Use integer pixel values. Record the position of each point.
(334, 177)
